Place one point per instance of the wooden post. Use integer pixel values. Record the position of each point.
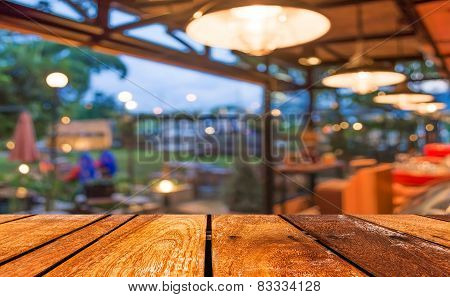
(267, 146)
(53, 153)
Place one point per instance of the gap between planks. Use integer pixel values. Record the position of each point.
(30, 250)
(168, 245)
(441, 241)
(336, 252)
(50, 268)
(363, 242)
(14, 218)
(259, 245)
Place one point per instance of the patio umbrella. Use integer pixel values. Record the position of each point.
(24, 140)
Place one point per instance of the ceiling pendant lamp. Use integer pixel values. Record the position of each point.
(309, 57)
(402, 94)
(361, 74)
(256, 27)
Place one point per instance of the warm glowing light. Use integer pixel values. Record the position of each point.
(10, 145)
(57, 80)
(131, 105)
(309, 61)
(65, 120)
(125, 96)
(423, 108)
(210, 130)
(275, 112)
(344, 125)
(66, 148)
(24, 168)
(363, 83)
(357, 126)
(334, 105)
(336, 127)
(362, 76)
(413, 137)
(21, 192)
(326, 129)
(197, 14)
(402, 98)
(429, 127)
(191, 97)
(256, 29)
(402, 95)
(166, 186)
(157, 110)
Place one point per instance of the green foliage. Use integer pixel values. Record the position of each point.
(242, 190)
(101, 107)
(26, 61)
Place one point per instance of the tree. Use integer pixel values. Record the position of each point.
(25, 63)
(102, 106)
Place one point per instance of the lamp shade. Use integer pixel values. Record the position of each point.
(363, 76)
(423, 108)
(256, 27)
(402, 94)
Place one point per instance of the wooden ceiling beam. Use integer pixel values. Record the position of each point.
(174, 36)
(332, 4)
(365, 37)
(147, 4)
(166, 17)
(389, 59)
(410, 13)
(75, 6)
(103, 13)
(331, 51)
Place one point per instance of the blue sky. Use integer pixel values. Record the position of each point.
(147, 80)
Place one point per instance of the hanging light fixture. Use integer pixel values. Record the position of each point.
(422, 108)
(309, 57)
(361, 74)
(402, 94)
(256, 27)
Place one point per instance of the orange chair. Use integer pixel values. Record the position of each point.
(368, 191)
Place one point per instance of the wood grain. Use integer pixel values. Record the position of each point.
(445, 218)
(254, 245)
(38, 261)
(429, 229)
(169, 245)
(22, 235)
(378, 250)
(11, 217)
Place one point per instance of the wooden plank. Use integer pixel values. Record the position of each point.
(12, 217)
(38, 261)
(169, 245)
(22, 235)
(428, 229)
(255, 245)
(445, 218)
(378, 250)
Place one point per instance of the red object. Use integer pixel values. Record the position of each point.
(73, 174)
(408, 179)
(436, 150)
(24, 140)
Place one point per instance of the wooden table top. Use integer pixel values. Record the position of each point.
(224, 245)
